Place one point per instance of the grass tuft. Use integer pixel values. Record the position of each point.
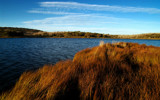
(127, 71)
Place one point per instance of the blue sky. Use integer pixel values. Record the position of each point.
(102, 16)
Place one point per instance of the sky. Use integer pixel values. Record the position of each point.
(101, 16)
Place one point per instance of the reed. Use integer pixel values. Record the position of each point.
(127, 71)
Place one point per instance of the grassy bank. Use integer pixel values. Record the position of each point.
(127, 71)
(11, 32)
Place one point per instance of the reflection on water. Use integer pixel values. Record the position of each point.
(21, 54)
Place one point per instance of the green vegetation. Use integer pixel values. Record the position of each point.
(74, 34)
(119, 71)
(141, 36)
(6, 32)
(23, 32)
(9, 32)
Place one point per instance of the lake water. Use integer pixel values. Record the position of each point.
(21, 54)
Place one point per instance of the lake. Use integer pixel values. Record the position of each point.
(22, 54)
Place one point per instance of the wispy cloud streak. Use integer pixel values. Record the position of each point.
(52, 12)
(74, 16)
(91, 23)
(84, 6)
(79, 19)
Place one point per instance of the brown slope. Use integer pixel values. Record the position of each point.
(127, 71)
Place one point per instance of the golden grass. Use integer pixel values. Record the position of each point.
(141, 36)
(127, 71)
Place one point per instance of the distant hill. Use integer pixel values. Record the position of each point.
(16, 32)
(24, 32)
(141, 36)
(11, 32)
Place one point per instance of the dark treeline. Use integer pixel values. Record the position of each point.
(74, 34)
(16, 32)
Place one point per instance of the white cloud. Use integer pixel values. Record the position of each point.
(70, 20)
(79, 20)
(83, 6)
(91, 23)
(104, 30)
(52, 12)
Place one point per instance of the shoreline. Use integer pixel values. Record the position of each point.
(105, 71)
(85, 38)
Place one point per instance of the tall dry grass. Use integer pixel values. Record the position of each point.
(127, 71)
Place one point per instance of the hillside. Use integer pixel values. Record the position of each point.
(24, 32)
(127, 71)
(141, 36)
(11, 32)
(16, 32)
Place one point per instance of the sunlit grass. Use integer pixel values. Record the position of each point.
(127, 71)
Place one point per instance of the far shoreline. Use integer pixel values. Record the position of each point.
(85, 38)
(13, 32)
